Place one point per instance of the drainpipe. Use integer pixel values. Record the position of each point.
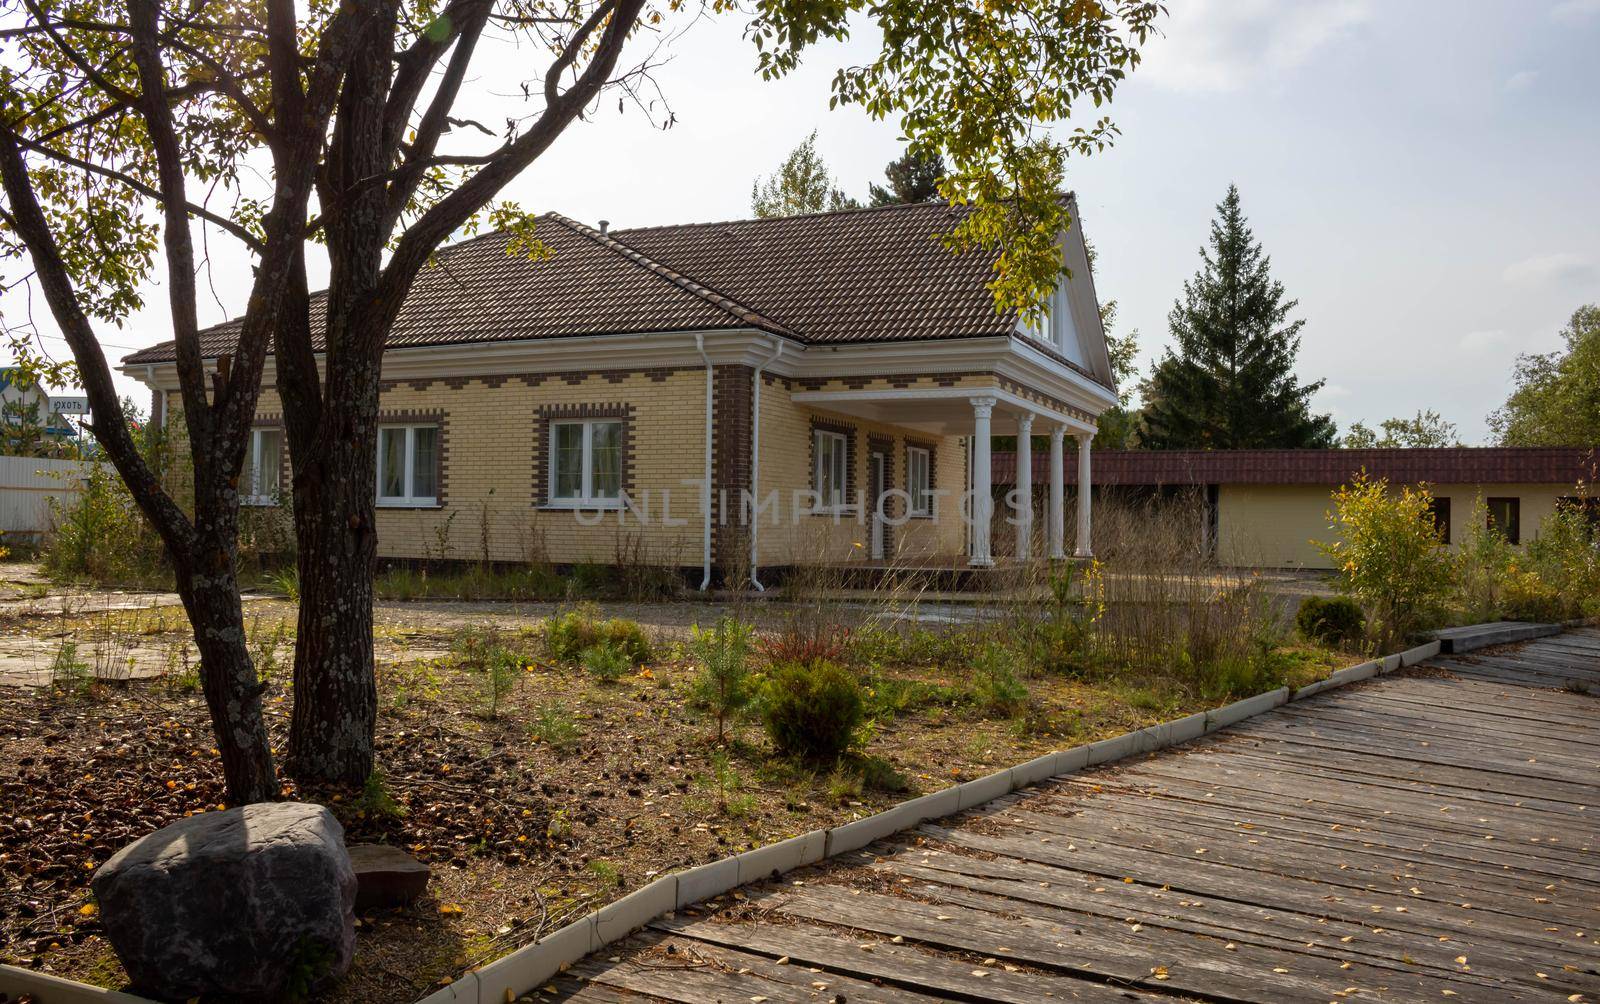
(755, 455)
(705, 494)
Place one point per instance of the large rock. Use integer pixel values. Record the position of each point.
(386, 876)
(250, 904)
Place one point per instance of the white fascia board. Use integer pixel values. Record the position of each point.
(1002, 398)
(1033, 368)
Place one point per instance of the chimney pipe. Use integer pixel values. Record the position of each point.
(604, 226)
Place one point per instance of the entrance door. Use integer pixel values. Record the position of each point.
(878, 470)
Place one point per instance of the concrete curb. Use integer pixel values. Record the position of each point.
(1454, 641)
(525, 969)
(47, 989)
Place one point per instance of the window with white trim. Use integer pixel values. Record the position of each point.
(586, 463)
(263, 467)
(918, 481)
(408, 465)
(830, 466)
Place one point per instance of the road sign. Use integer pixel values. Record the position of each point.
(69, 405)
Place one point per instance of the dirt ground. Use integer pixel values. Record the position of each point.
(561, 795)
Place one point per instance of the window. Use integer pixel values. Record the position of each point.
(1505, 515)
(829, 475)
(919, 484)
(1440, 509)
(408, 465)
(263, 467)
(586, 463)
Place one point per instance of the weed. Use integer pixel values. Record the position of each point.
(606, 872)
(554, 726)
(376, 801)
(995, 687)
(606, 662)
(69, 674)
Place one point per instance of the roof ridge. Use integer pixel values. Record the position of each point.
(848, 211)
(721, 301)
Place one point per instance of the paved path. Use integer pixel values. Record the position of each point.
(1428, 836)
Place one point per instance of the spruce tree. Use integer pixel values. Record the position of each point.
(911, 178)
(1231, 385)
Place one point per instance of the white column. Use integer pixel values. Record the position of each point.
(1058, 488)
(982, 508)
(1024, 486)
(1083, 551)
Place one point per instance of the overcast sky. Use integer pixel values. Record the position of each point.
(1424, 175)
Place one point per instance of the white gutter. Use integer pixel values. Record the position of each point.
(705, 494)
(755, 455)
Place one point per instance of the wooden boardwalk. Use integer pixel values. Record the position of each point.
(1427, 836)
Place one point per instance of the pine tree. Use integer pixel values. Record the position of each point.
(1231, 385)
(911, 178)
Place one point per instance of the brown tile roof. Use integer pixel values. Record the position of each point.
(1459, 465)
(850, 276)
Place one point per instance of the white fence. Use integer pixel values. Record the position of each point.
(26, 486)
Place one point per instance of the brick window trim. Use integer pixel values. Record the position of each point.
(848, 431)
(933, 472)
(441, 471)
(546, 418)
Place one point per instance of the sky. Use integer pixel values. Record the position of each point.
(1424, 174)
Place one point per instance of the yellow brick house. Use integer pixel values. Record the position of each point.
(720, 397)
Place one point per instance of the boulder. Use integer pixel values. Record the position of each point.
(386, 876)
(249, 904)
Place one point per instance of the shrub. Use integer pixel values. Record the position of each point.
(567, 636)
(1331, 620)
(607, 661)
(1566, 557)
(1389, 555)
(724, 681)
(812, 710)
(824, 643)
(995, 686)
(1481, 565)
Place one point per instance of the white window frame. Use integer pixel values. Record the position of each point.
(586, 499)
(840, 454)
(921, 495)
(253, 467)
(408, 477)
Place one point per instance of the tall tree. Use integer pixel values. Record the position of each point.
(1428, 430)
(127, 127)
(912, 177)
(801, 184)
(1557, 397)
(1231, 384)
(1116, 425)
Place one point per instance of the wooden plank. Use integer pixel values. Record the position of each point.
(1352, 903)
(904, 965)
(697, 972)
(1242, 805)
(1390, 841)
(1145, 905)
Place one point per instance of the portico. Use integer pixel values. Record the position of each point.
(978, 414)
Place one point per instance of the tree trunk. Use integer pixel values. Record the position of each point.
(210, 590)
(335, 692)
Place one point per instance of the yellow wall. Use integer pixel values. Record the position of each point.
(1274, 525)
(490, 483)
(786, 467)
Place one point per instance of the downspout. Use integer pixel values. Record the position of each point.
(755, 455)
(705, 494)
